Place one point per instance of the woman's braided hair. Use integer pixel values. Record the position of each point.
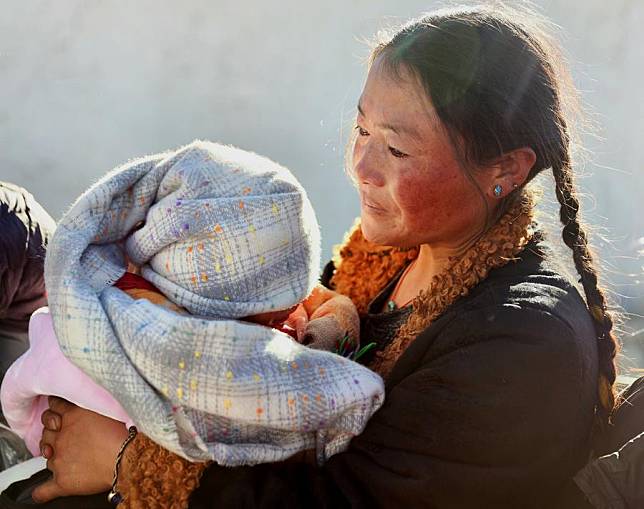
(492, 77)
(576, 239)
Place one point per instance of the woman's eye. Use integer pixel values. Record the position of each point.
(394, 152)
(397, 153)
(361, 131)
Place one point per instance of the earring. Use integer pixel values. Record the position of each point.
(498, 190)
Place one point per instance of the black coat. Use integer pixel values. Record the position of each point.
(491, 406)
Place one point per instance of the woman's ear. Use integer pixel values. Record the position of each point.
(511, 170)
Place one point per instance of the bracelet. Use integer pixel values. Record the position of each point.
(114, 497)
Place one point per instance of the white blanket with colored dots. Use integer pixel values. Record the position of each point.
(225, 234)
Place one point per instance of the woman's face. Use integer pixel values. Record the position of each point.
(412, 189)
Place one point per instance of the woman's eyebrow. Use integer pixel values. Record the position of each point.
(400, 130)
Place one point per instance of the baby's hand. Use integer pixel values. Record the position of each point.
(298, 320)
(324, 319)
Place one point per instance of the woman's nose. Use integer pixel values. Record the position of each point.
(367, 165)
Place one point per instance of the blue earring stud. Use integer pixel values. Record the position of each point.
(498, 190)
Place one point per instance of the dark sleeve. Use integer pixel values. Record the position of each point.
(25, 229)
(327, 274)
(617, 479)
(491, 408)
(571, 497)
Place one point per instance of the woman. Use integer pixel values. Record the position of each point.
(498, 373)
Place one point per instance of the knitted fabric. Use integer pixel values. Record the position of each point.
(377, 264)
(225, 234)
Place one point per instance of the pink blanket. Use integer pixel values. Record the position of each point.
(44, 371)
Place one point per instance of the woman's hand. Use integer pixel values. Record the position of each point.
(80, 447)
(324, 318)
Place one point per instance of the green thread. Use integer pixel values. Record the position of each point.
(344, 349)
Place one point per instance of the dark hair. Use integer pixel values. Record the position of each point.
(490, 75)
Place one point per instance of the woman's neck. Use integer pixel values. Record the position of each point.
(430, 262)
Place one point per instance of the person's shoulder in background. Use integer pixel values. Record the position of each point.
(26, 229)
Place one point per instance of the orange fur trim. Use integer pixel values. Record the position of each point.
(158, 478)
(363, 269)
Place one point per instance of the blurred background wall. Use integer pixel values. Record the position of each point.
(88, 84)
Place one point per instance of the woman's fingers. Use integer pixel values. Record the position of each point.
(51, 420)
(47, 491)
(47, 443)
(59, 405)
(46, 450)
(80, 447)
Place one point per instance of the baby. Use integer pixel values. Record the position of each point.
(223, 238)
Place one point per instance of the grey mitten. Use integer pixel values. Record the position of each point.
(324, 333)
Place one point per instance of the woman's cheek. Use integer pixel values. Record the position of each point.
(431, 203)
(417, 196)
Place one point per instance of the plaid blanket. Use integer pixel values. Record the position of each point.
(223, 233)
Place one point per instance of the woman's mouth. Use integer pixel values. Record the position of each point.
(370, 205)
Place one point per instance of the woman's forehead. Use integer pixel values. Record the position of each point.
(396, 101)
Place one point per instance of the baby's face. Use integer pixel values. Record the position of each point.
(271, 318)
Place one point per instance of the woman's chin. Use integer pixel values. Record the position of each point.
(376, 233)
